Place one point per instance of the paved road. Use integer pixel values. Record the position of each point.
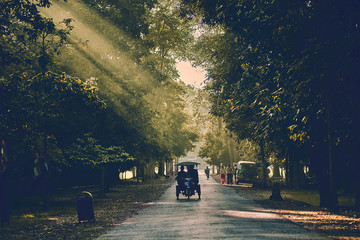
(221, 213)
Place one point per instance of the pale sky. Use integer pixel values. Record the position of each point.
(190, 75)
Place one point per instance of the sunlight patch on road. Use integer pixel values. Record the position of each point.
(240, 185)
(209, 183)
(250, 214)
(160, 203)
(124, 223)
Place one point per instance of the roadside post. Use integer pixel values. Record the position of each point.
(85, 207)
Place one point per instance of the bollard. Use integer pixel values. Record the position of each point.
(85, 207)
(276, 196)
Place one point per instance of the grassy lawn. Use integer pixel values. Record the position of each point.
(312, 197)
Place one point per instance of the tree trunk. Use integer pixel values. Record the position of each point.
(134, 170)
(171, 167)
(44, 179)
(295, 170)
(276, 172)
(355, 164)
(230, 149)
(102, 180)
(287, 169)
(142, 172)
(263, 160)
(167, 170)
(4, 184)
(357, 196)
(161, 168)
(276, 196)
(320, 161)
(45, 147)
(137, 174)
(333, 201)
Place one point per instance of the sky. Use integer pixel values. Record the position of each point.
(190, 75)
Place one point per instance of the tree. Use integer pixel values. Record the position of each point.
(213, 149)
(169, 37)
(285, 69)
(38, 102)
(46, 109)
(128, 15)
(88, 151)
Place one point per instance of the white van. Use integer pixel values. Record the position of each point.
(247, 172)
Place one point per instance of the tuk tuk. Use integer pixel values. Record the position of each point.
(188, 181)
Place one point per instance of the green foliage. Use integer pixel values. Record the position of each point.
(28, 40)
(62, 105)
(213, 149)
(122, 110)
(277, 63)
(129, 15)
(88, 151)
(147, 107)
(248, 151)
(168, 37)
(286, 64)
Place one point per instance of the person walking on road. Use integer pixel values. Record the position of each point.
(207, 172)
(235, 173)
(229, 174)
(222, 174)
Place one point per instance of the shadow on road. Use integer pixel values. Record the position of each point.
(188, 200)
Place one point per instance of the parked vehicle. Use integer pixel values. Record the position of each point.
(247, 172)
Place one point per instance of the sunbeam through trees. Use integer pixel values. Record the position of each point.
(90, 89)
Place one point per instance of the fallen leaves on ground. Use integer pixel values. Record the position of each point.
(344, 224)
(61, 221)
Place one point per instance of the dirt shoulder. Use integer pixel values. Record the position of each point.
(344, 224)
(61, 221)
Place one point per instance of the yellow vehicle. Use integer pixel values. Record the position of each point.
(246, 172)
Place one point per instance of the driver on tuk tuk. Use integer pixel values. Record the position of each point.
(180, 177)
(193, 173)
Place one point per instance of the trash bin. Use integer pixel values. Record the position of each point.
(85, 207)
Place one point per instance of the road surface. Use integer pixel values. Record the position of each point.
(221, 213)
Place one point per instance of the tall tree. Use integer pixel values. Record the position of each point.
(285, 71)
